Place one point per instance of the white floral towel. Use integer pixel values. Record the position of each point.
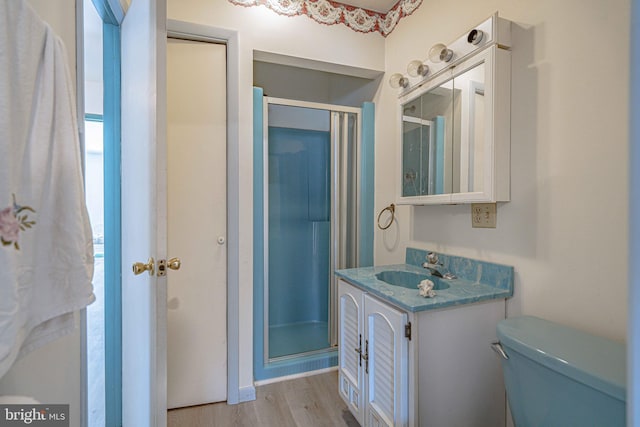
(46, 252)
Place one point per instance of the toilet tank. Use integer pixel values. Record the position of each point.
(560, 376)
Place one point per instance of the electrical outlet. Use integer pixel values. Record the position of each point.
(483, 215)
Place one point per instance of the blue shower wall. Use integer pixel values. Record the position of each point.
(413, 143)
(415, 159)
(299, 225)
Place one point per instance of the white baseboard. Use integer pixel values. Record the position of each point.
(246, 394)
(295, 376)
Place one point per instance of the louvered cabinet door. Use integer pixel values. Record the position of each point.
(351, 343)
(386, 362)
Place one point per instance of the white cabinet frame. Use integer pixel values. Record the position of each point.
(497, 130)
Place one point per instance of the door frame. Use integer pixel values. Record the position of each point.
(112, 15)
(196, 32)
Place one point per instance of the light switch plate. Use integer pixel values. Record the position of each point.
(483, 215)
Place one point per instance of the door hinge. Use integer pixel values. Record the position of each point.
(407, 330)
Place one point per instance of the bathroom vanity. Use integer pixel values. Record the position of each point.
(405, 360)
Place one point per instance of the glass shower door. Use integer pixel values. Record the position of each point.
(299, 205)
(310, 230)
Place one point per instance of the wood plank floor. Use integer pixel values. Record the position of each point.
(309, 402)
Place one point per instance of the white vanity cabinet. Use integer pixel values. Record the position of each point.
(431, 368)
(373, 358)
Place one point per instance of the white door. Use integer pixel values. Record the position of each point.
(386, 373)
(351, 348)
(143, 36)
(196, 169)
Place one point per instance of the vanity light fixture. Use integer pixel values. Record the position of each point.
(475, 36)
(440, 52)
(417, 68)
(397, 80)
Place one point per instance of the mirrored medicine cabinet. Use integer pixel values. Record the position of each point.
(455, 133)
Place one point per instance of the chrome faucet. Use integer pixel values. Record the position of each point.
(433, 264)
(432, 258)
(432, 269)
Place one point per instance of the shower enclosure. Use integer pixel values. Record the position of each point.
(311, 155)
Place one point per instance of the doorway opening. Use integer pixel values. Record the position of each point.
(309, 163)
(94, 193)
(311, 225)
(101, 59)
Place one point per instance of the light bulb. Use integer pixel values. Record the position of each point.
(398, 80)
(439, 52)
(417, 68)
(475, 36)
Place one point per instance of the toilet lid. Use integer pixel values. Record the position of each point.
(586, 358)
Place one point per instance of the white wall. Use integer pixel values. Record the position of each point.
(261, 29)
(565, 229)
(305, 84)
(51, 374)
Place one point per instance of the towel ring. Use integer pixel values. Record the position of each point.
(392, 209)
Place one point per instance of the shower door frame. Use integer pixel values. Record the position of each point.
(337, 217)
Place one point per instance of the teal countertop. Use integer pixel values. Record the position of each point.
(460, 290)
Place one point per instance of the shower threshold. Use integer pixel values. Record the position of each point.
(294, 339)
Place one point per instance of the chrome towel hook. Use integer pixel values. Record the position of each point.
(392, 209)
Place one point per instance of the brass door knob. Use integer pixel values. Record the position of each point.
(174, 263)
(140, 267)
